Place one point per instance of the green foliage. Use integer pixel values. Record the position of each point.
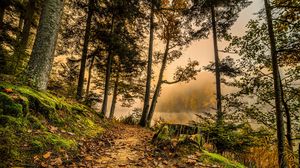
(256, 80)
(164, 134)
(236, 138)
(133, 118)
(213, 157)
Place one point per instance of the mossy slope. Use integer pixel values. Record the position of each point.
(219, 159)
(33, 122)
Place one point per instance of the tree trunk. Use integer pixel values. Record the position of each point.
(279, 117)
(3, 6)
(143, 120)
(21, 23)
(108, 72)
(217, 66)
(89, 77)
(114, 99)
(40, 63)
(27, 23)
(21, 47)
(2, 12)
(299, 154)
(288, 118)
(158, 85)
(85, 50)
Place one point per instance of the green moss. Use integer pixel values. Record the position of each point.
(86, 127)
(37, 145)
(13, 122)
(55, 118)
(51, 141)
(25, 104)
(195, 139)
(20, 126)
(164, 134)
(213, 157)
(59, 142)
(93, 131)
(36, 123)
(8, 105)
(38, 101)
(8, 146)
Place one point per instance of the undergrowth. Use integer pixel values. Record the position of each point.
(34, 122)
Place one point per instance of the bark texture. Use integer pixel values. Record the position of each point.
(89, 77)
(279, 116)
(40, 63)
(115, 96)
(217, 68)
(108, 72)
(159, 83)
(143, 120)
(85, 50)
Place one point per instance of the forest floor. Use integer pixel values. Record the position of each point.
(39, 129)
(124, 145)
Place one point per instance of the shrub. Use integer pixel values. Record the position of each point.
(133, 118)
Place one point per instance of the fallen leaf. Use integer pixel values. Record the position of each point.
(8, 90)
(191, 161)
(36, 157)
(44, 164)
(47, 155)
(62, 150)
(88, 158)
(56, 162)
(53, 129)
(70, 133)
(149, 158)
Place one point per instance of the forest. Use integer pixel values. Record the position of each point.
(133, 83)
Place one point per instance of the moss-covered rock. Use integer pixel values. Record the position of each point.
(195, 139)
(23, 98)
(182, 133)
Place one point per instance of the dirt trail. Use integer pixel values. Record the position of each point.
(125, 146)
(129, 149)
(120, 146)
